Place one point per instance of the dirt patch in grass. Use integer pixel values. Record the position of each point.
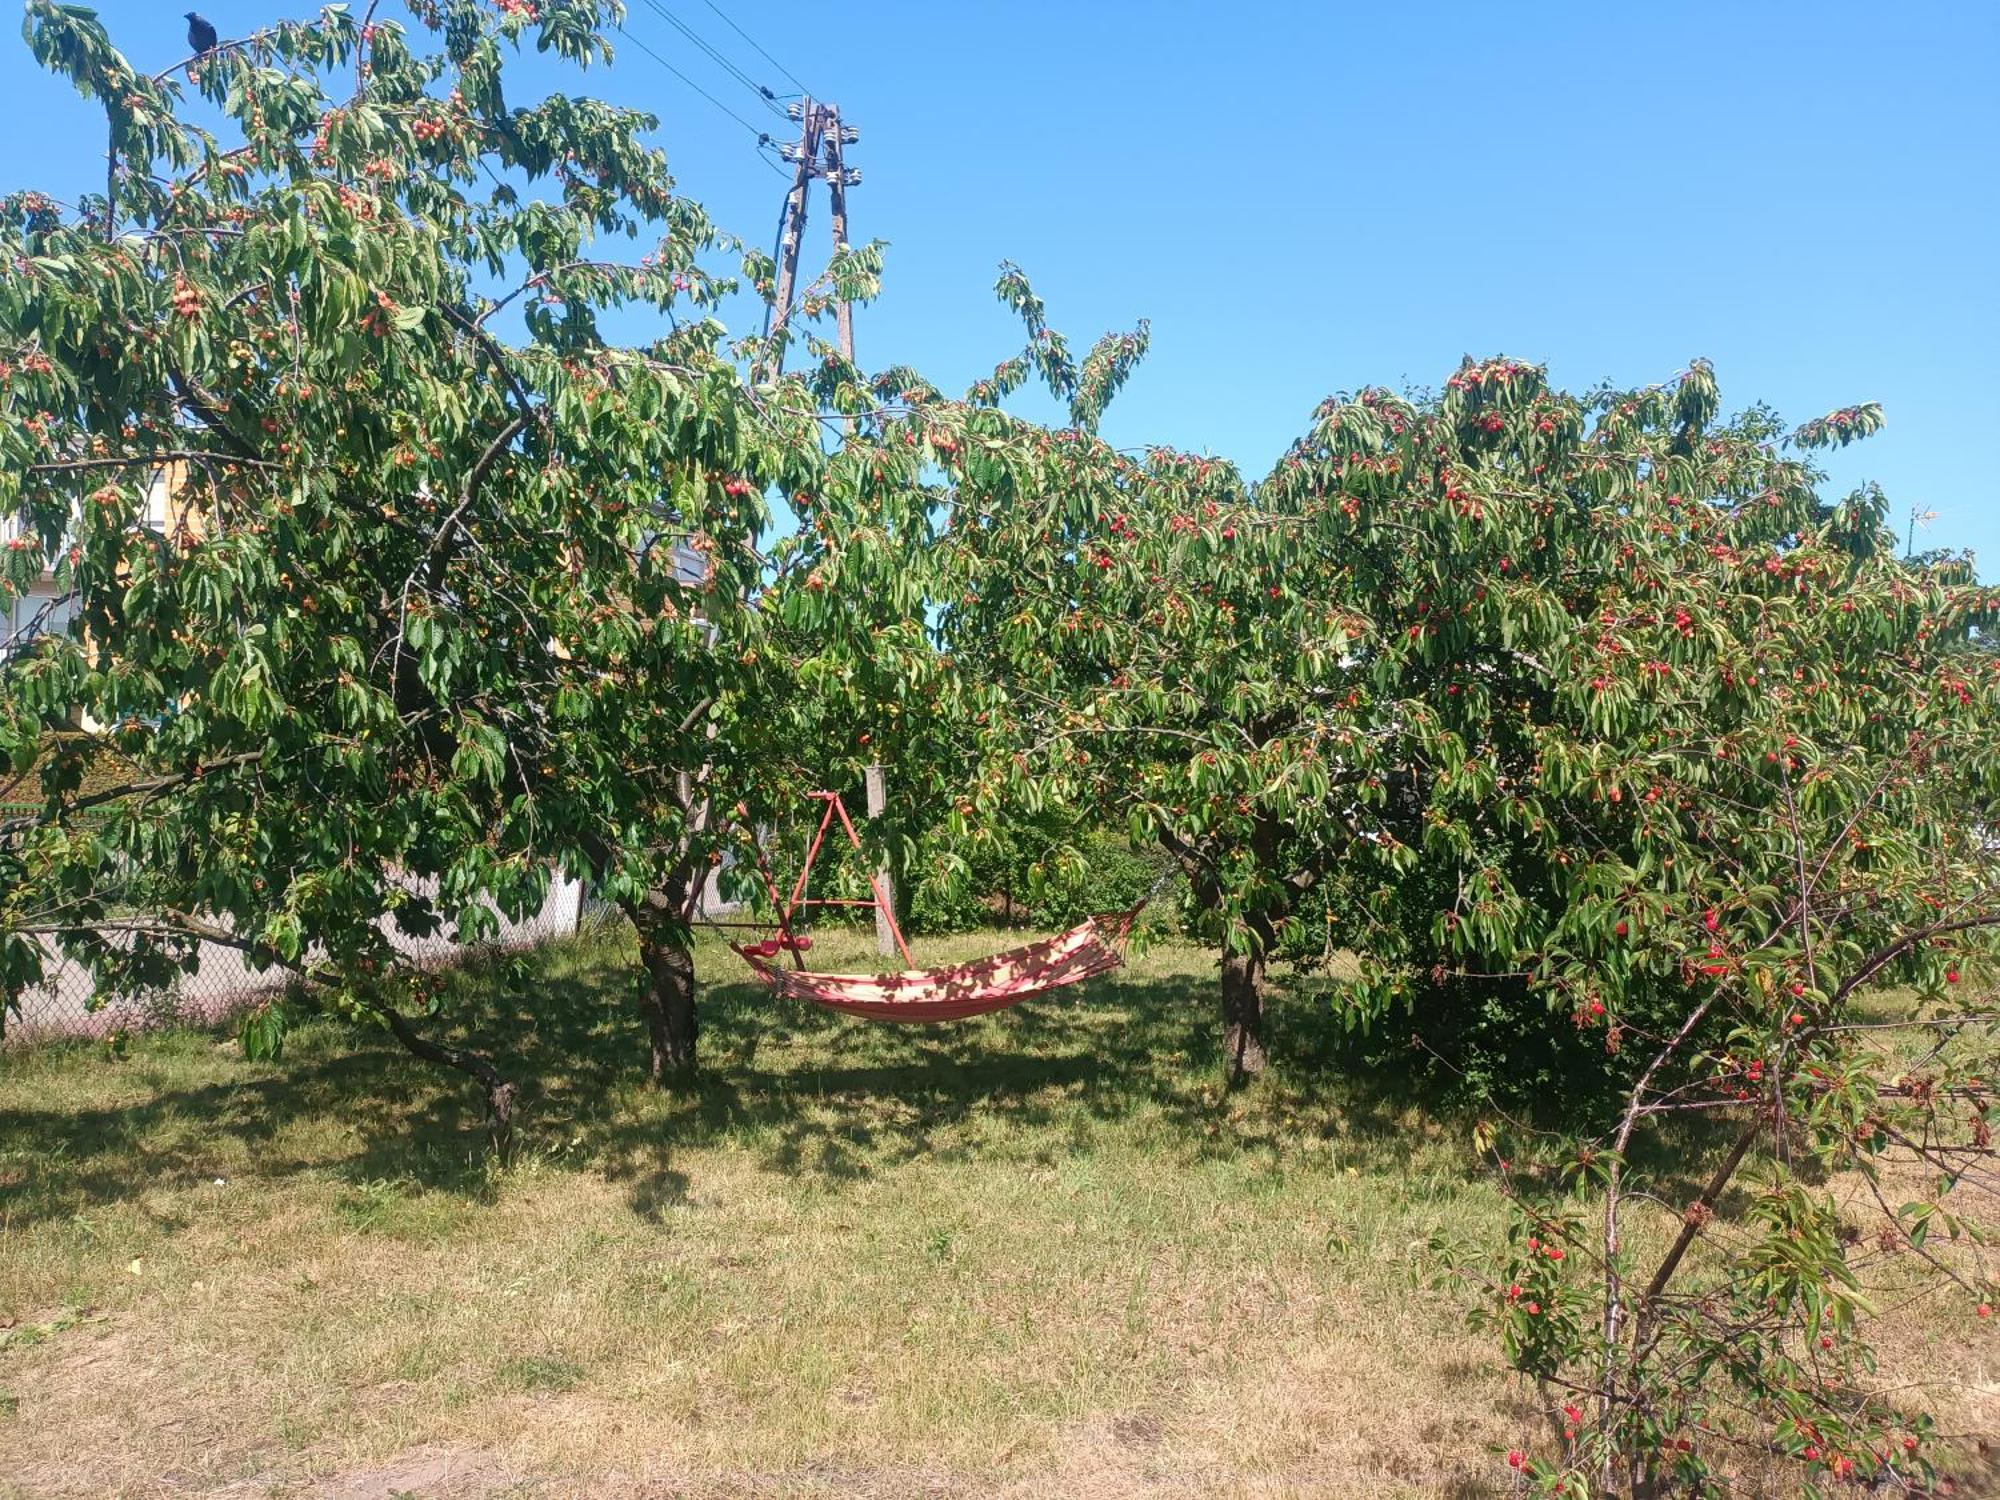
(432, 1472)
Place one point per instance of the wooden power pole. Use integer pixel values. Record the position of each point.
(817, 153)
(836, 194)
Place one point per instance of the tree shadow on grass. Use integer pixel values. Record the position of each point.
(805, 1093)
(1562, 1087)
(814, 1095)
(65, 1158)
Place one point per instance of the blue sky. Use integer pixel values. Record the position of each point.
(1304, 198)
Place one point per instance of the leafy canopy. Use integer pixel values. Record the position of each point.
(450, 588)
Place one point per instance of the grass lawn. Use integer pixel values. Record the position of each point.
(1038, 1254)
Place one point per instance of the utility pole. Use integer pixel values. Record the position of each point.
(792, 227)
(817, 153)
(836, 193)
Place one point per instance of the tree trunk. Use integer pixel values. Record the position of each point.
(498, 1089)
(1242, 1016)
(1242, 973)
(667, 1001)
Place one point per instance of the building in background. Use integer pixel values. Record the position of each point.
(173, 512)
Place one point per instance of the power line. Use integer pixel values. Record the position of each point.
(763, 137)
(753, 42)
(722, 61)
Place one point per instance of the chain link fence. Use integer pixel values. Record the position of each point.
(66, 1002)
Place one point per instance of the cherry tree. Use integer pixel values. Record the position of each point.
(462, 591)
(1667, 750)
(1708, 771)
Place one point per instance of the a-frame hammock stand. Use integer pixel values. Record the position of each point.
(950, 994)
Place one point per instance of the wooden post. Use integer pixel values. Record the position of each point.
(878, 803)
(795, 226)
(836, 189)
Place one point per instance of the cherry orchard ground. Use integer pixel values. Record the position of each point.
(1045, 1256)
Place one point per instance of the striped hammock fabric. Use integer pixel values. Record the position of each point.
(970, 989)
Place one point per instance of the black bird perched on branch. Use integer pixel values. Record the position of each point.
(201, 35)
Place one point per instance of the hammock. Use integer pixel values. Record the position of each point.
(969, 989)
(951, 994)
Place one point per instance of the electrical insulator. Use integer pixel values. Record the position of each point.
(795, 110)
(852, 177)
(849, 135)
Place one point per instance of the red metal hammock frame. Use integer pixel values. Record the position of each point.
(963, 990)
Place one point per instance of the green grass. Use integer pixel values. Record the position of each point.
(1041, 1253)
